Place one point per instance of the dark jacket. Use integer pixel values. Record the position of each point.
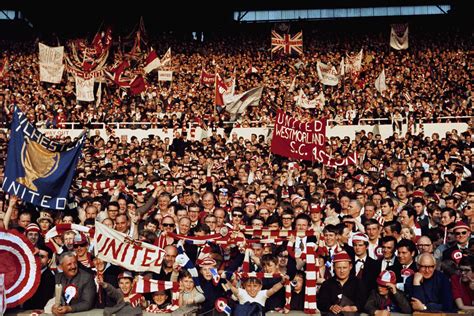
(434, 292)
(397, 303)
(353, 292)
(369, 273)
(44, 292)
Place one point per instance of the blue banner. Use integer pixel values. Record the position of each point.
(39, 170)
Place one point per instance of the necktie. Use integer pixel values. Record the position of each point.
(387, 264)
(361, 268)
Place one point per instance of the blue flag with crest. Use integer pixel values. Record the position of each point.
(39, 170)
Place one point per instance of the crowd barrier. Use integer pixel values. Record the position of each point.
(331, 131)
(97, 312)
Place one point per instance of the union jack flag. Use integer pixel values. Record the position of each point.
(287, 42)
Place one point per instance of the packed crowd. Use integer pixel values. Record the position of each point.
(429, 80)
(390, 234)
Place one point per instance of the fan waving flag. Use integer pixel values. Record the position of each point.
(287, 43)
(39, 170)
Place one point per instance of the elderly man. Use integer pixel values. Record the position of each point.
(78, 287)
(429, 289)
(343, 292)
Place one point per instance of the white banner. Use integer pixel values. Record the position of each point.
(399, 42)
(327, 74)
(354, 63)
(50, 55)
(84, 89)
(304, 102)
(380, 82)
(51, 73)
(165, 75)
(51, 63)
(119, 249)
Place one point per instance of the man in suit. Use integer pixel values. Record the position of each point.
(79, 288)
(462, 233)
(406, 253)
(389, 260)
(343, 292)
(46, 287)
(365, 268)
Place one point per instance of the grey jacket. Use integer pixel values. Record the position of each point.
(84, 300)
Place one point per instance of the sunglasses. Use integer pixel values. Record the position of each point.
(237, 215)
(426, 267)
(81, 245)
(168, 225)
(461, 233)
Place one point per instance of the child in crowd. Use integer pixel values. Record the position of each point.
(189, 296)
(252, 299)
(161, 302)
(297, 292)
(386, 298)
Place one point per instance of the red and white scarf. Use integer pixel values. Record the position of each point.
(144, 285)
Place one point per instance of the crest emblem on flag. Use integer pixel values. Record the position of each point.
(287, 43)
(39, 170)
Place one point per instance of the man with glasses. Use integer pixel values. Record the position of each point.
(429, 289)
(424, 245)
(287, 220)
(462, 234)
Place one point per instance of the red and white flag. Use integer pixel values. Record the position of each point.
(243, 100)
(152, 62)
(206, 78)
(287, 43)
(399, 36)
(137, 85)
(220, 89)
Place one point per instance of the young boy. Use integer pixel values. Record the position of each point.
(252, 298)
(386, 298)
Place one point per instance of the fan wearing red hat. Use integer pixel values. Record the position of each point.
(127, 302)
(365, 268)
(386, 297)
(316, 214)
(33, 233)
(343, 292)
(462, 234)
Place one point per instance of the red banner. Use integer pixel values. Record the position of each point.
(297, 139)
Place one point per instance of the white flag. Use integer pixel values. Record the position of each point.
(327, 74)
(98, 94)
(165, 75)
(380, 82)
(342, 67)
(248, 98)
(399, 42)
(166, 59)
(84, 89)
